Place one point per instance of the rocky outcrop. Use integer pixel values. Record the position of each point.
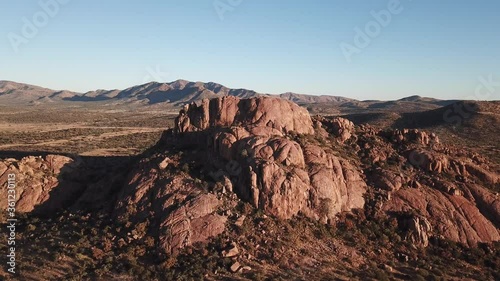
(410, 167)
(388, 180)
(428, 160)
(277, 174)
(482, 173)
(437, 162)
(177, 210)
(282, 115)
(339, 127)
(418, 231)
(445, 187)
(412, 135)
(336, 184)
(44, 183)
(453, 217)
(247, 147)
(487, 202)
(195, 221)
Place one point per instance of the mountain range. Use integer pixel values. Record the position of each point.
(181, 92)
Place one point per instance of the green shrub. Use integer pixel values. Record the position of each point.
(381, 275)
(185, 168)
(30, 228)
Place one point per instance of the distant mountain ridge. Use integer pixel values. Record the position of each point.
(23, 92)
(176, 93)
(181, 92)
(306, 99)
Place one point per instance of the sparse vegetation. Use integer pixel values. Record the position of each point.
(357, 245)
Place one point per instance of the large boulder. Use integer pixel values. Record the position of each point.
(387, 180)
(195, 221)
(341, 128)
(429, 161)
(418, 231)
(275, 173)
(42, 183)
(276, 113)
(412, 135)
(283, 178)
(175, 208)
(454, 217)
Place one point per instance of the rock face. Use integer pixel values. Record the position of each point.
(275, 173)
(279, 114)
(175, 208)
(418, 231)
(41, 182)
(429, 161)
(339, 127)
(454, 217)
(196, 221)
(445, 187)
(249, 149)
(414, 135)
(387, 180)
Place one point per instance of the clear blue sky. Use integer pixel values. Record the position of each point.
(434, 48)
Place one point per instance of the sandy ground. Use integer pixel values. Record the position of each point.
(101, 133)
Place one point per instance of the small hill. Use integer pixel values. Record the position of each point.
(12, 92)
(311, 99)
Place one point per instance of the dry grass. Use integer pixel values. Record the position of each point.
(95, 131)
